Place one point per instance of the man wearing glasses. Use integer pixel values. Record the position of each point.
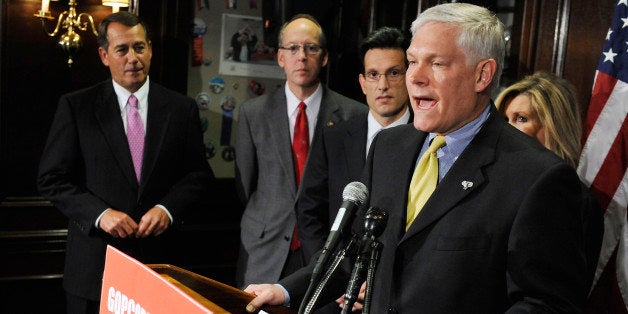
(275, 134)
(345, 146)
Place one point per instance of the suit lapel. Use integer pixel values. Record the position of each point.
(455, 185)
(277, 119)
(327, 116)
(354, 145)
(157, 124)
(107, 113)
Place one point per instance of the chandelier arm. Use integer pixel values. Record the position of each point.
(57, 28)
(83, 25)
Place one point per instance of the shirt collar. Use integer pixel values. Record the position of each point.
(123, 95)
(458, 140)
(313, 102)
(374, 127)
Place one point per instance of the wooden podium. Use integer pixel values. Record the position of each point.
(215, 296)
(132, 287)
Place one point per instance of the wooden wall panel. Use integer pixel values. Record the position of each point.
(34, 75)
(589, 23)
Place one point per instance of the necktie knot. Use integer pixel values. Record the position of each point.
(437, 142)
(302, 106)
(133, 101)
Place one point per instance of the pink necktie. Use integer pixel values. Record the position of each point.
(135, 135)
(300, 148)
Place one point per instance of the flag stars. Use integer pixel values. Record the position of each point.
(608, 35)
(625, 21)
(624, 2)
(609, 56)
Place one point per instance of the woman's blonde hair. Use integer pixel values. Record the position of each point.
(554, 101)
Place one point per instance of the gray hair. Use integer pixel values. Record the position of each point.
(481, 32)
(125, 18)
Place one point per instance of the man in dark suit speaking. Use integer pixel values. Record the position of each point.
(123, 160)
(489, 221)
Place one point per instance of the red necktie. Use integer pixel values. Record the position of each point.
(135, 136)
(300, 147)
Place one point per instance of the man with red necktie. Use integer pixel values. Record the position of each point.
(275, 134)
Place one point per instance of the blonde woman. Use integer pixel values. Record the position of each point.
(544, 107)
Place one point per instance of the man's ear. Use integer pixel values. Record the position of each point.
(484, 73)
(103, 56)
(362, 81)
(280, 57)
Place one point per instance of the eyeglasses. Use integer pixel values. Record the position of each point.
(391, 75)
(310, 49)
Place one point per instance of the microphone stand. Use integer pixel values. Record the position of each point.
(354, 195)
(353, 288)
(376, 252)
(374, 223)
(308, 305)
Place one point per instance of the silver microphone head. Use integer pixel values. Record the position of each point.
(355, 192)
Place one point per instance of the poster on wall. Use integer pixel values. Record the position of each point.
(243, 51)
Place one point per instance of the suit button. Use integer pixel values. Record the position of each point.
(287, 238)
(392, 310)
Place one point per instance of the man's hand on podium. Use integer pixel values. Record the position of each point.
(264, 294)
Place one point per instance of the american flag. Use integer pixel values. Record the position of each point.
(603, 165)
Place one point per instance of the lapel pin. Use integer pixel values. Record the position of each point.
(330, 123)
(466, 184)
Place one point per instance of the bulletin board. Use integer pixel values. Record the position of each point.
(218, 87)
(243, 50)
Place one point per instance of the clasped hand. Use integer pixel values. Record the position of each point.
(120, 225)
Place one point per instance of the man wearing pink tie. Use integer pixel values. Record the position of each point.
(124, 159)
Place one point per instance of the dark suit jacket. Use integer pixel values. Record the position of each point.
(266, 181)
(86, 167)
(511, 242)
(338, 160)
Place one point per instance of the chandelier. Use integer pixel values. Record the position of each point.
(72, 22)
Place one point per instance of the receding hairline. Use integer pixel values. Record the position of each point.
(321, 35)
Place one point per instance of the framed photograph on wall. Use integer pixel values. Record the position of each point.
(243, 51)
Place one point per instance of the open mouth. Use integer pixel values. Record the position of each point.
(425, 103)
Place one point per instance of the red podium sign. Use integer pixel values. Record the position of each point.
(131, 287)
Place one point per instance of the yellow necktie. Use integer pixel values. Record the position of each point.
(424, 180)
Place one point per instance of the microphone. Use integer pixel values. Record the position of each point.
(353, 195)
(375, 222)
